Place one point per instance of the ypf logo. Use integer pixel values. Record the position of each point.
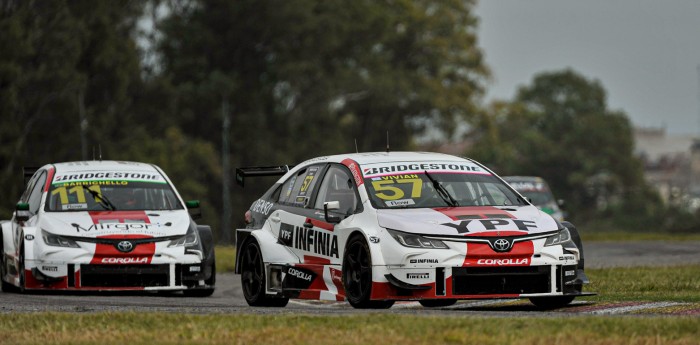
(501, 245)
(125, 246)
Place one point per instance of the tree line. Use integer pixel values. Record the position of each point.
(196, 86)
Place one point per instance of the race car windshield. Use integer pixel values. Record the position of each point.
(111, 196)
(418, 190)
(538, 198)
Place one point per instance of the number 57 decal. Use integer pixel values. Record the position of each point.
(388, 190)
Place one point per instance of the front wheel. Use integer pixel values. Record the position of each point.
(357, 276)
(253, 278)
(551, 302)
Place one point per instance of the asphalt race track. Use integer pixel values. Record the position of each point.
(228, 297)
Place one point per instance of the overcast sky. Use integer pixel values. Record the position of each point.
(645, 53)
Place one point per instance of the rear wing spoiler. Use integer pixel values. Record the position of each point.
(242, 173)
(28, 172)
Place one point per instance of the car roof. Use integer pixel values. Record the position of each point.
(385, 157)
(71, 167)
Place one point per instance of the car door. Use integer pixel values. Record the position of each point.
(337, 185)
(291, 223)
(32, 196)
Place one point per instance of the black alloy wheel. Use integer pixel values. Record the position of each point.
(20, 270)
(253, 278)
(357, 275)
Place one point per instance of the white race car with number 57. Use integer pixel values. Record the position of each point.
(374, 228)
(105, 225)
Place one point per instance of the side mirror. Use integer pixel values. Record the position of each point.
(193, 205)
(22, 213)
(331, 205)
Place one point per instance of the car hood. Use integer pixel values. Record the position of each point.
(468, 221)
(115, 223)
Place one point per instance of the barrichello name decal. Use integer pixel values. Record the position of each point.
(317, 242)
(421, 167)
(503, 262)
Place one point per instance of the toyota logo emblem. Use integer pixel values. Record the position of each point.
(501, 245)
(125, 246)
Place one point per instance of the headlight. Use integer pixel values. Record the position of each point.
(57, 241)
(561, 237)
(189, 240)
(416, 241)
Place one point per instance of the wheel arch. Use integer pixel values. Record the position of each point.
(272, 251)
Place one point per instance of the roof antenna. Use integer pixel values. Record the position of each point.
(387, 141)
(100, 147)
(356, 149)
(93, 152)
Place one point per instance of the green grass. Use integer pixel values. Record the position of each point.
(620, 236)
(677, 283)
(367, 328)
(225, 258)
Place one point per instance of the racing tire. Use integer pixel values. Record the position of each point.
(551, 302)
(20, 271)
(357, 275)
(6, 287)
(253, 278)
(436, 303)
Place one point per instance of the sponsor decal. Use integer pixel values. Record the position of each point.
(262, 206)
(299, 274)
(503, 262)
(528, 186)
(567, 257)
(423, 261)
(399, 203)
(569, 273)
(317, 242)
(49, 268)
(74, 207)
(126, 260)
(354, 170)
(28, 237)
(116, 226)
(421, 167)
(492, 224)
(115, 175)
(417, 275)
(374, 239)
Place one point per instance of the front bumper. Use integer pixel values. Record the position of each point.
(117, 277)
(478, 282)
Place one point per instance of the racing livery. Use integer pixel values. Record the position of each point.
(105, 225)
(374, 228)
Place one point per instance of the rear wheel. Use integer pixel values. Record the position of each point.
(435, 303)
(357, 276)
(551, 302)
(20, 270)
(253, 278)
